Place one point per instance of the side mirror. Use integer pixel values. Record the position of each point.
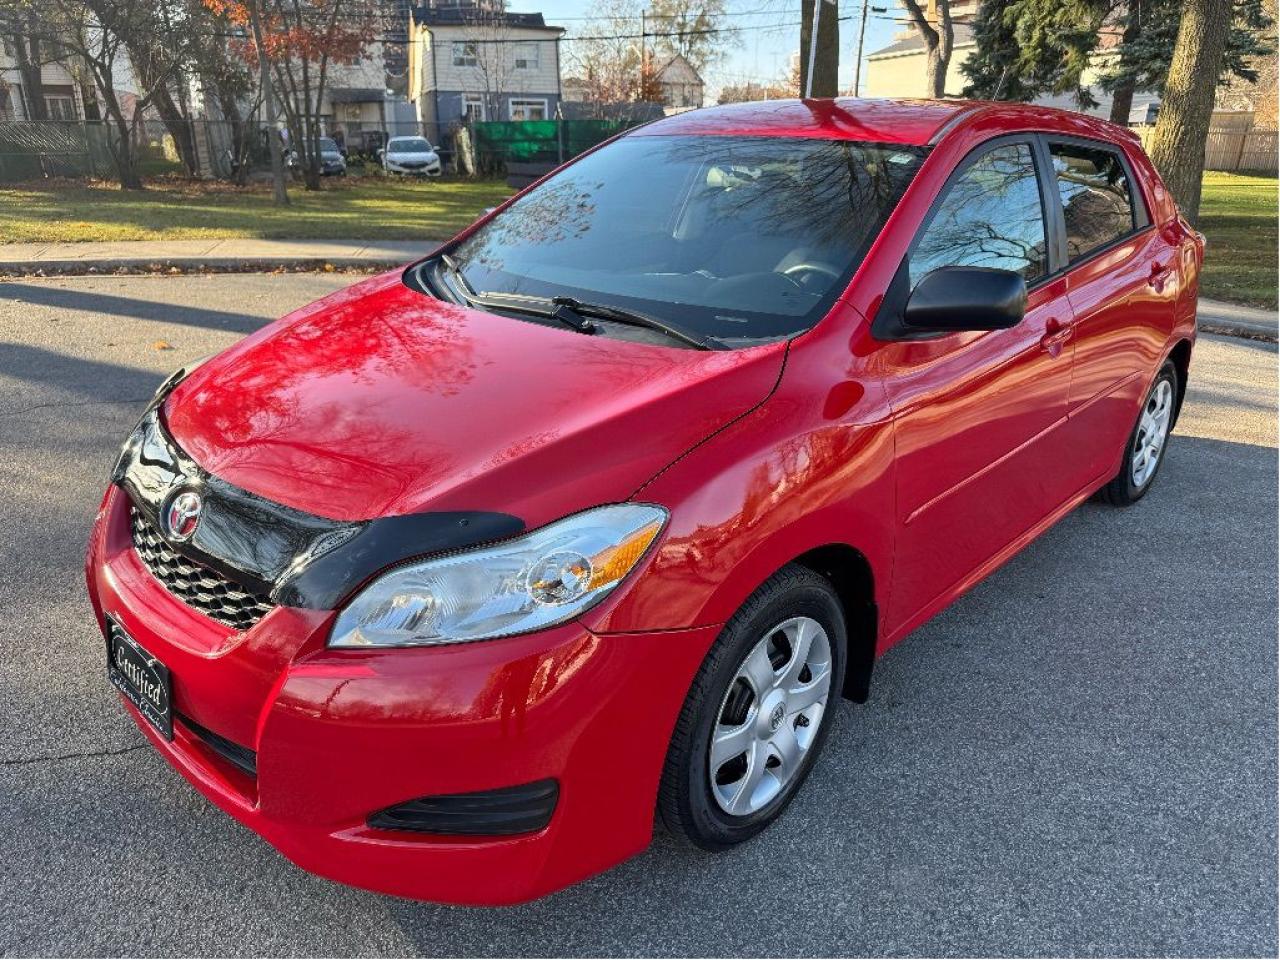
(966, 298)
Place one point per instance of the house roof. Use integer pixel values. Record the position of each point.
(679, 60)
(915, 43)
(470, 16)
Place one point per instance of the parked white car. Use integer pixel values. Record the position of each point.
(411, 155)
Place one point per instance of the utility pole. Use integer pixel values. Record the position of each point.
(644, 52)
(820, 47)
(862, 33)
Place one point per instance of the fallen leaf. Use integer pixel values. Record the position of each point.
(161, 345)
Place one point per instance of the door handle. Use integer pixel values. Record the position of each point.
(1159, 273)
(1056, 334)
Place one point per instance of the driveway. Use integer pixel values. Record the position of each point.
(1079, 757)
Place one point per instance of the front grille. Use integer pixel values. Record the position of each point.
(197, 586)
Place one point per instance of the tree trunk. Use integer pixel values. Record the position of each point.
(27, 53)
(938, 41)
(1122, 96)
(122, 147)
(279, 189)
(126, 159)
(826, 61)
(1122, 103)
(175, 124)
(1178, 142)
(180, 129)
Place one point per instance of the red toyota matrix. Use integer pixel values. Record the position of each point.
(449, 582)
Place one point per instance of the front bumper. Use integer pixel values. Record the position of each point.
(427, 170)
(340, 735)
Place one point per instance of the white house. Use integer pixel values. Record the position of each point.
(476, 60)
(682, 86)
(63, 98)
(898, 70)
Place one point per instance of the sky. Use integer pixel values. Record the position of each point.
(769, 34)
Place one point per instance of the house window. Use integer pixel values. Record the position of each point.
(465, 53)
(528, 109)
(526, 56)
(60, 108)
(473, 107)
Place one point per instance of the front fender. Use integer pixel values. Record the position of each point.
(751, 499)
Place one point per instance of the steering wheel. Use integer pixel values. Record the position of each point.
(798, 272)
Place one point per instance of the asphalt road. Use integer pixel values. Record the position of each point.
(1077, 758)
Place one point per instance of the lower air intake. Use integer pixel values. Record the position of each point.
(491, 813)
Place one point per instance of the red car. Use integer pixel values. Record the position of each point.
(449, 582)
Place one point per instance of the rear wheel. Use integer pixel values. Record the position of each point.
(1148, 442)
(756, 715)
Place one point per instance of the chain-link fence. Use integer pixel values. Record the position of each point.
(222, 149)
(41, 149)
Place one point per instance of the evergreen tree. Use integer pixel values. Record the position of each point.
(1030, 48)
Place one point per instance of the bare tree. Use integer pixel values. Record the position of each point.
(603, 56)
(938, 40)
(91, 33)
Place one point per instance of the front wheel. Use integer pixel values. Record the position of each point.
(1148, 442)
(757, 714)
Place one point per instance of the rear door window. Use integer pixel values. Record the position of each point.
(1096, 195)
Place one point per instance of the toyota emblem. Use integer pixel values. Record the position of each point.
(182, 516)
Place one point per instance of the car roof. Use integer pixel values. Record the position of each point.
(906, 122)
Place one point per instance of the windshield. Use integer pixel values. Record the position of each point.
(410, 145)
(741, 239)
(328, 146)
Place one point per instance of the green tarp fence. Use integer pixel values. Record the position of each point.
(540, 141)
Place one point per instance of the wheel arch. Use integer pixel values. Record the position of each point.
(1181, 357)
(850, 573)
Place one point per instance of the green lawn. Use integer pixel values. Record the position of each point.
(355, 209)
(1238, 218)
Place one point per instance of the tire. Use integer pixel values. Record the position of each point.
(720, 811)
(1142, 461)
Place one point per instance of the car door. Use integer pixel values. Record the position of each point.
(1121, 278)
(977, 414)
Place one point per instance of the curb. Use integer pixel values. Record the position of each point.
(185, 265)
(1238, 328)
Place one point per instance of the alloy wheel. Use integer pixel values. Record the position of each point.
(1153, 431)
(770, 716)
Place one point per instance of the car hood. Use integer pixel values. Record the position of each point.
(379, 400)
(397, 156)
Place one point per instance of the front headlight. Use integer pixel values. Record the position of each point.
(525, 584)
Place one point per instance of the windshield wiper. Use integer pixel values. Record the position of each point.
(569, 311)
(460, 283)
(635, 319)
(535, 306)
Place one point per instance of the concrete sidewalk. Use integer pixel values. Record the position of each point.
(242, 254)
(1216, 316)
(236, 253)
